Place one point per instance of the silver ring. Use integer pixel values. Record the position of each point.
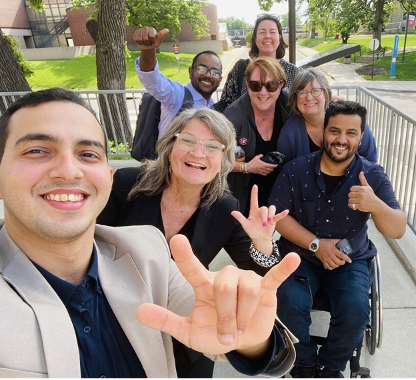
(353, 206)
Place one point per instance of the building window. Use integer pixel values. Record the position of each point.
(50, 28)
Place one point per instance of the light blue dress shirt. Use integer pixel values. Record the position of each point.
(170, 94)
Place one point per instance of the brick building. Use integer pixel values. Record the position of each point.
(60, 26)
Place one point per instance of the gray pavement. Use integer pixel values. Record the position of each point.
(401, 94)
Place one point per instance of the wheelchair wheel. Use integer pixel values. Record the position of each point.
(371, 330)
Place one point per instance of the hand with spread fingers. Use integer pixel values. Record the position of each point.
(362, 197)
(260, 224)
(148, 38)
(234, 309)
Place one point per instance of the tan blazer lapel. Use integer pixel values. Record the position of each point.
(58, 335)
(125, 291)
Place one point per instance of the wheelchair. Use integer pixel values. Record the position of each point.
(374, 330)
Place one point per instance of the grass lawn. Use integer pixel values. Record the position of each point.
(80, 73)
(404, 71)
(387, 40)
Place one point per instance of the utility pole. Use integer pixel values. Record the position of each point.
(405, 36)
(292, 31)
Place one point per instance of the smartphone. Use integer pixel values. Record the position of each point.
(345, 247)
(273, 158)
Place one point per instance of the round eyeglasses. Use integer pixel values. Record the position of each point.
(203, 70)
(188, 143)
(271, 86)
(315, 92)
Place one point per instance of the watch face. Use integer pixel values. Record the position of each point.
(314, 246)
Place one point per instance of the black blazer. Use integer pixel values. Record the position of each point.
(214, 229)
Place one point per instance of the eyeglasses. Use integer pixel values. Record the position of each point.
(315, 92)
(189, 143)
(271, 86)
(203, 70)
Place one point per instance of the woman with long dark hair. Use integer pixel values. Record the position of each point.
(266, 41)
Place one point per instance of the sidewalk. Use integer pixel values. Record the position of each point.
(401, 94)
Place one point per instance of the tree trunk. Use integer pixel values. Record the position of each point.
(111, 67)
(11, 74)
(380, 21)
(313, 31)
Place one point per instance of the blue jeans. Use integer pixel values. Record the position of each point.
(346, 288)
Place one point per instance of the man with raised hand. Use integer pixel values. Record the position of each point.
(205, 74)
(330, 195)
(70, 290)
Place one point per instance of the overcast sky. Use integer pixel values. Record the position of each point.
(246, 9)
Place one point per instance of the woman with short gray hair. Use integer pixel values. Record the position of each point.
(302, 134)
(185, 191)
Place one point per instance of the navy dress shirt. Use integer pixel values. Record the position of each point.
(104, 349)
(300, 188)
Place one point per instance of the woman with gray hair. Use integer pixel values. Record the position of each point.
(185, 191)
(302, 134)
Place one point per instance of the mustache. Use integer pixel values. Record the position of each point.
(206, 79)
(341, 145)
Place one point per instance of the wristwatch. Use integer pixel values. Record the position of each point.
(314, 245)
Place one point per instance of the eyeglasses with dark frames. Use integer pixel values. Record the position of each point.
(203, 70)
(315, 92)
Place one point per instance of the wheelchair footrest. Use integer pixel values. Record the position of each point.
(362, 372)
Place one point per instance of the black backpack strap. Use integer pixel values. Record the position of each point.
(188, 100)
(147, 128)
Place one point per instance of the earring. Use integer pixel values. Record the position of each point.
(170, 169)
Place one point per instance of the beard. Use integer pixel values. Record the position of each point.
(350, 151)
(201, 88)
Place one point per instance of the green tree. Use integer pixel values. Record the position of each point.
(159, 14)
(348, 15)
(235, 23)
(13, 67)
(284, 19)
(408, 5)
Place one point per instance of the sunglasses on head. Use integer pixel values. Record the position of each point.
(271, 86)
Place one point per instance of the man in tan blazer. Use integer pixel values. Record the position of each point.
(55, 180)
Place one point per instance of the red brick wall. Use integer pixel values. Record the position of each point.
(78, 18)
(186, 33)
(13, 15)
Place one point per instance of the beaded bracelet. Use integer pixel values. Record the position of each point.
(265, 260)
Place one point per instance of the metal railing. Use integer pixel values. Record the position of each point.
(394, 131)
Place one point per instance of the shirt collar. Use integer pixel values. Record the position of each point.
(65, 289)
(198, 97)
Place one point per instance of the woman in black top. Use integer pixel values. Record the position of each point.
(185, 191)
(258, 117)
(266, 41)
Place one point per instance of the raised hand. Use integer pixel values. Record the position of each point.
(234, 309)
(261, 223)
(148, 38)
(362, 197)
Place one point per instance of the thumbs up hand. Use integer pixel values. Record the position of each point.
(362, 197)
(148, 38)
